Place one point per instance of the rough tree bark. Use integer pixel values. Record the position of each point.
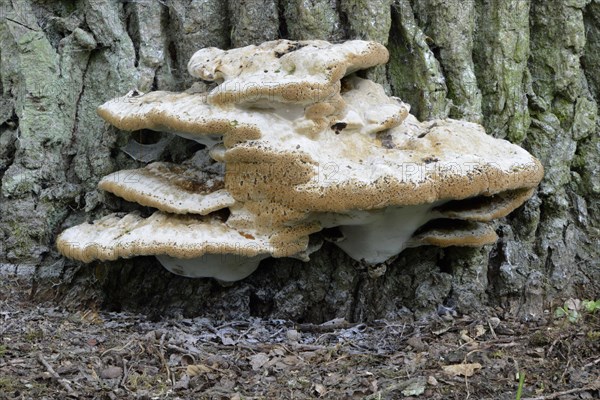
(529, 70)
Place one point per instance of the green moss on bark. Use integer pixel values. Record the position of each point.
(414, 73)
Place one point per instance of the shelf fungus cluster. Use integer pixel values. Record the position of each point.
(300, 148)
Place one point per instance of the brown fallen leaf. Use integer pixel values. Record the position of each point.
(91, 317)
(320, 389)
(183, 383)
(464, 336)
(258, 360)
(479, 330)
(461, 369)
(197, 369)
(111, 373)
(432, 381)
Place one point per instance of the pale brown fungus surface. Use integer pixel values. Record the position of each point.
(299, 144)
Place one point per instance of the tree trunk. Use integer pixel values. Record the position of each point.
(528, 70)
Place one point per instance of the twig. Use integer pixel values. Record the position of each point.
(232, 323)
(308, 347)
(15, 361)
(325, 328)
(593, 386)
(276, 333)
(6, 328)
(554, 344)
(63, 382)
(161, 353)
(125, 374)
(568, 364)
(492, 331)
(503, 345)
(241, 335)
(392, 388)
(117, 349)
(591, 364)
(182, 350)
(467, 387)
(337, 359)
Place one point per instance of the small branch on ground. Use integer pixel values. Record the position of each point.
(125, 375)
(592, 386)
(63, 382)
(325, 328)
(591, 364)
(161, 354)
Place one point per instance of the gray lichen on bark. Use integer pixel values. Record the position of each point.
(449, 26)
(527, 69)
(253, 21)
(501, 66)
(313, 19)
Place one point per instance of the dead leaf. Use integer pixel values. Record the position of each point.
(442, 330)
(111, 373)
(183, 383)
(277, 351)
(416, 343)
(479, 331)
(461, 369)
(320, 389)
(293, 335)
(415, 388)
(465, 337)
(374, 386)
(197, 369)
(493, 322)
(226, 340)
(258, 360)
(291, 360)
(573, 304)
(92, 317)
(67, 368)
(332, 379)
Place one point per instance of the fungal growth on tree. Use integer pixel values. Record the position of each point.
(297, 145)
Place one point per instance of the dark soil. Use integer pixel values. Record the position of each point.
(47, 352)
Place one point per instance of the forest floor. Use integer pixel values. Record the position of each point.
(47, 352)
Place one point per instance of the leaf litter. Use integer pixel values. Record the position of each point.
(47, 352)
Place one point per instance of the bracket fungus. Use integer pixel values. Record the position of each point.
(297, 144)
